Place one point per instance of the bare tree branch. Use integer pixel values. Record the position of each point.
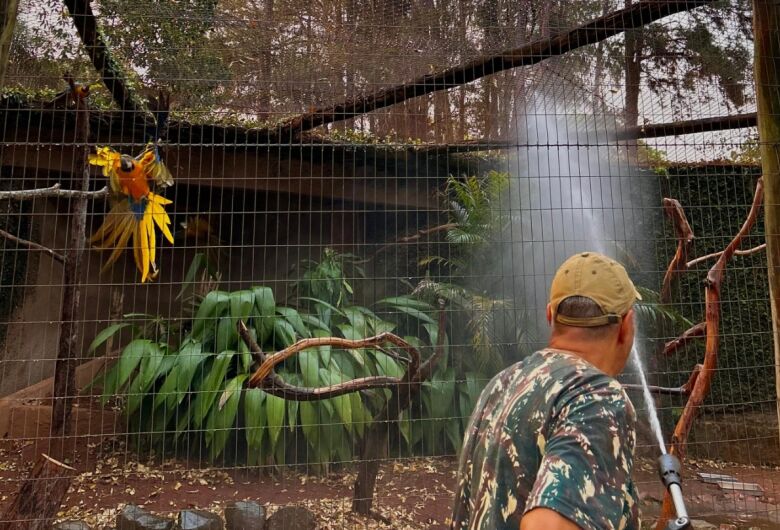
(34, 246)
(674, 211)
(54, 191)
(676, 128)
(275, 385)
(272, 360)
(696, 332)
(701, 386)
(746, 252)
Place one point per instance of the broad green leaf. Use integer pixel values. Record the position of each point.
(310, 366)
(221, 419)
(324, 351)
(323, 303)
(357, 320)
(386, 365)
(241, 303)
(227, 335)
(254, 417)
(314, 322)
(190, 357)
(292, 316)
(275, 408)
(360, 416)
(341, 404)
(416, 313)
(310, 422)
(233, 386)
(150, 364)
(211, 387)
(107, 333)
(284, 334)
(128, 362)
(208, 311)
(407, 301)
(292, 414)
(266, 312)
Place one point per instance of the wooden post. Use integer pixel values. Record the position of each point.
(67, 355)
(40, 496)
(7, 23)
(766, 30)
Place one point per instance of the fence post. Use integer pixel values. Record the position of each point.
(766, 24)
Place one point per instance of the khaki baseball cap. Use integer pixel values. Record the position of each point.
(595, 276)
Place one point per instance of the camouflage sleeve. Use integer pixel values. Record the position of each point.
(587, 457)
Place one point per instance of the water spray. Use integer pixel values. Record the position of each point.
(668, 465)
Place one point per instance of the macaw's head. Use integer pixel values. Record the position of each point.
(126, 163)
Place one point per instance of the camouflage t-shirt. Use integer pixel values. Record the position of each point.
(552, 431)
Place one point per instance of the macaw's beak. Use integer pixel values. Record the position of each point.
(126, 163)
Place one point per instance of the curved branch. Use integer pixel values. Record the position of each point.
(113, 77)
(276, 386)
(745, 252)
(272, 360)
(34, 246)
(701, 386)
(53, 191)
(674, 211)
(695, 332)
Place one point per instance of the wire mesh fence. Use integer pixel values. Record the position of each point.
(338, 221)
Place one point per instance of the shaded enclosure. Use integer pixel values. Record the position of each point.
(369, 201)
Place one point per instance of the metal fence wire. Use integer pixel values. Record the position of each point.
(338, 221)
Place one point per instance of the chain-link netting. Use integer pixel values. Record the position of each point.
(272, 251)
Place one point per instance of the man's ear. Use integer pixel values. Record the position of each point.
(626, 327)
(549, 315)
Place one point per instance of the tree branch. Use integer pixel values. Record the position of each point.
(701, 386)
(634, 16)
(34, 246)
(275, 385)
(677, 128)
(684, 233)
(695, 332)
(684, 390)
(113, 77)
(53, 191)
(272, 360)
(746, 252)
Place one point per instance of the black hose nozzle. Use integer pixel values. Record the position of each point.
(669, 470)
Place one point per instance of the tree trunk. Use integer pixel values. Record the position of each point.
(264, 99)
(65, 390)
(7, 24)
(40, 496)
(766, 24)
(634, 45)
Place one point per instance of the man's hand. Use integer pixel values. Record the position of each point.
(546, 519)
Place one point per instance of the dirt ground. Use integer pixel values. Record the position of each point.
(414, 493)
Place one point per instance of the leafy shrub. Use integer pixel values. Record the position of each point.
(192, 395)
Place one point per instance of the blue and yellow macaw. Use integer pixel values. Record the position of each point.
(137, 209)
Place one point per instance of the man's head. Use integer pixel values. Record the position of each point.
(591, 310)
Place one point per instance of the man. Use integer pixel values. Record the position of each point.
(550, 444)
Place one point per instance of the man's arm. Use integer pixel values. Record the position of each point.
(546, 519)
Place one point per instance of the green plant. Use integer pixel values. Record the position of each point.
(193, 395)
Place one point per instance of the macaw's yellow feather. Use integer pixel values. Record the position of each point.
(144, 243)
(121, 244)
(115, 216)
(148, 220)
(161, 219)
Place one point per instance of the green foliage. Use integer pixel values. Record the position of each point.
(475, 216)
(193, 395)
